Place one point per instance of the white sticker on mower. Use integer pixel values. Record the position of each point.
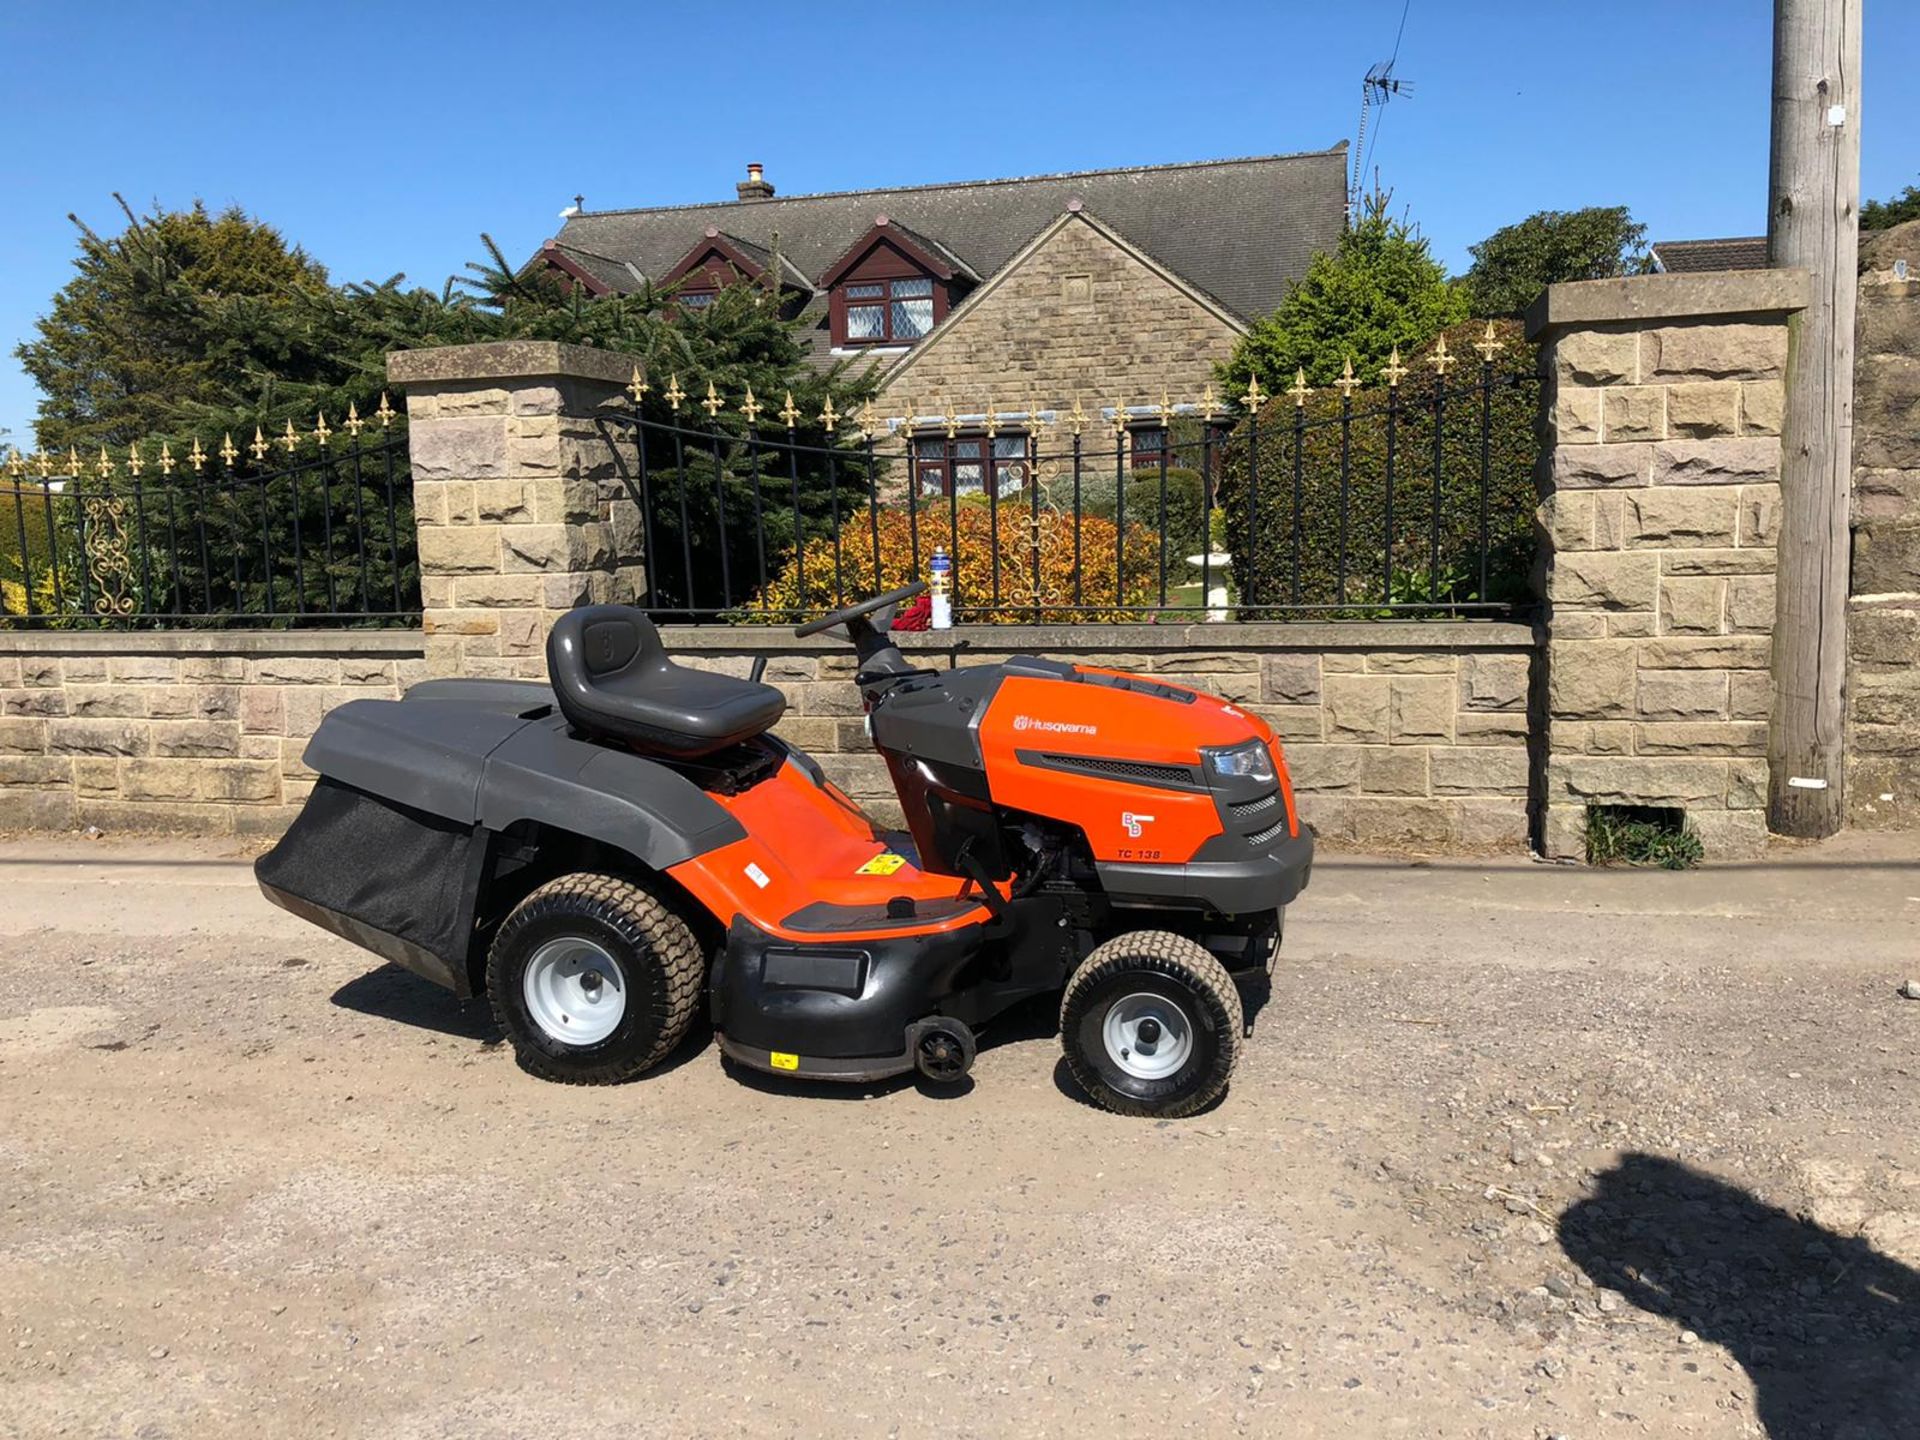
(1053, 727)
(1133, 822)
(758, 876)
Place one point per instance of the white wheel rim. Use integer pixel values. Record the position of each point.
(575, 991)
(1147, 1036)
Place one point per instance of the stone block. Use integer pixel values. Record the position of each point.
(37, 810)
(1610, 519)
(828, 698)
(1747, 780)
(1506, 727)
(34, 702)
(1600, 467)
(193, 702)
(1479, 770)
(1411, 663)
(1291, 679)
(461, 549)
(1590, 680)
(1603, 580)
(1422, 709)
(1702, 411)
(1762, 403)
(1494, 682)
(45, 670)
(96, 777)
(1713, 352)
(362, 670)
(1727, 652)
(1884, 635)
(1393, 770)
(1883, 792)
(1682, 694)
(502, 502)
(1717, 462)
(1421, 826)
(818, 735)
(1293, 722)
(143, 669)
(1717, 562)
(1596, 357)
(1357, 707)
(97, 737)
(1566, 517)
(460, 622)
(1685, 518)
(1886, 556)
(1630, 624)
(1208, 662)
(1564, 833)
(212, 669)
(263, 710)
(1750, 694)
(1633, 412)
(1576, 415)
(1692, 606)
(295, 670)
(234, 781)
(1759, 516)
(1342, 662)
(34, 772)
(23, 737)
(1750, 603)
(1700, 737)
(463, 448)
(196, 739)
(1490, 825)
(1634, 780)
(106, 702)
(1324, 768)
(1730, 834)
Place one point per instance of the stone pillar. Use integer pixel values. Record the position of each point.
(517, 496)
(1660, 491)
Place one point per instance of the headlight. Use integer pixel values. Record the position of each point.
(1251, 761)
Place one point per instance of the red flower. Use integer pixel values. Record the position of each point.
(918, 614)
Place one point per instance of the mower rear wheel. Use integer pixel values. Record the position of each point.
(593, 979)
(1151, 1024)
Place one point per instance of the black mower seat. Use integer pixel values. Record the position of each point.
(612, 678)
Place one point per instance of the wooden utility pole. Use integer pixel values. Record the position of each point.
(1813, 223)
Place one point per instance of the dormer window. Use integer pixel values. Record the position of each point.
(889, 312)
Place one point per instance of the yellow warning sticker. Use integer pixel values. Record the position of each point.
(780, 1060)
(884, 863)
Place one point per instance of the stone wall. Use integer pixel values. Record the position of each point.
(1405, 736)
(517, 498)
(199, 731)
(1082, 312)
(1883, 633)
(1660, 492)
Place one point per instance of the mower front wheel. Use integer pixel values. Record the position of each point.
(1151, 1024)
(593, 979)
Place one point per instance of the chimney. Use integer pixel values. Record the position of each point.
(755, 186)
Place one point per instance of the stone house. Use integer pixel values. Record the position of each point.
(1103, 287)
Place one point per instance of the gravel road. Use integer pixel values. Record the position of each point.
(1515, 1151)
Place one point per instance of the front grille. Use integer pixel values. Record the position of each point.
(1124, 769)
(1267, 836)
(1247, 809)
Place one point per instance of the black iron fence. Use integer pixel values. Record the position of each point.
(1412, 500)
(311, 528)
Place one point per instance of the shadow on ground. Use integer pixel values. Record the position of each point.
(390, 993)
(1827, 1327)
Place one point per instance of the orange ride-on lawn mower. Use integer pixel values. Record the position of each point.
(602, 855)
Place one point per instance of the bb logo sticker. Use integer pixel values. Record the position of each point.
(1134, 822)
(885, 863)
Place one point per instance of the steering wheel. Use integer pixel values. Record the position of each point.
(865, 607)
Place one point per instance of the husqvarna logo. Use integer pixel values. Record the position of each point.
(1053, 727)
(1134, 822)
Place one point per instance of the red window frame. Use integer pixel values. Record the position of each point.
(886, 297)
(1158, 443)
(1006, 462)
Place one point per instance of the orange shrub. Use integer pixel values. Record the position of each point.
(786, 600)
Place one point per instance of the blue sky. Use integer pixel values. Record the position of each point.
(385, 138)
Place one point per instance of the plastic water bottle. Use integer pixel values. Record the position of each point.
(940, 584)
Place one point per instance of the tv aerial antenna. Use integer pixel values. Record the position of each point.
(1378, 87)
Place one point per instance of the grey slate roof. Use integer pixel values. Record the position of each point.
(1679, 257)
(1241, 230)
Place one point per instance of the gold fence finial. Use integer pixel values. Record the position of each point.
(385, 413)
(751, 407)
(1208, 404)
(1346, 384)
(228, 454)
(1036, 415)
(166, 460)
(906, 420)
(105, 465)
(16, 467)
(134, 463)
(637, 387)
(790, 412)
(1490, 345)
(290, 439)
(1253, 397)
(353, 423)
(320, 430)
(1166, 409)
(950, 420)
(44, 464)
(1440, 359)
(828, 416)
(1299, 390)
(674, 393)
(258, 448)
(1393, 372)
(1120, 419)
(869, 419)
(713, 404)
(993, 421)
(196, 457)
(1078, 417)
